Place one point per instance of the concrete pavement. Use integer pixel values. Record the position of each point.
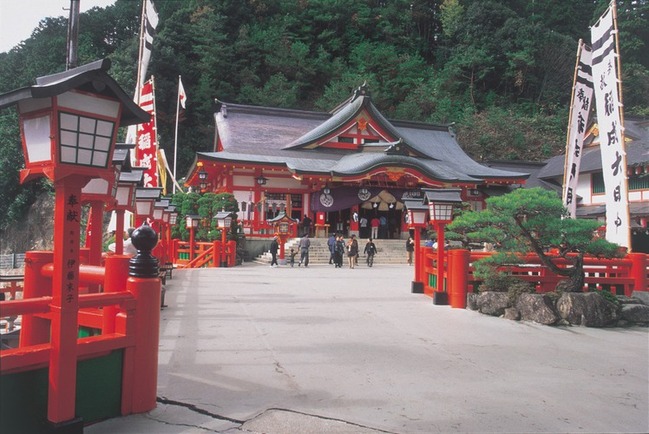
(321, 350)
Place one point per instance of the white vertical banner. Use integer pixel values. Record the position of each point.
(582, 97)
(611, 131)
(150, 23)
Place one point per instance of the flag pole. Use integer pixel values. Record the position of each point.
(176, 136)
(622, 139)
(572, 101)
(138, 81)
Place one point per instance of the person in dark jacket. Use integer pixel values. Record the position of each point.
(410, 248)
(370, 251)
(339, 251)
(274, 247)
(331, 243)
(352, 251)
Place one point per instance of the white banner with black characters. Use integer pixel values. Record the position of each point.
(611, 131)
(579, 113)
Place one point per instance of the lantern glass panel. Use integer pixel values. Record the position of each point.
(173, 217)
(143, 207)
(96, 186)
(157, 213)
(37, 139)
(122, 195)
(84, 141)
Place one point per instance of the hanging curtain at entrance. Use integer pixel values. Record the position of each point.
(345, 197)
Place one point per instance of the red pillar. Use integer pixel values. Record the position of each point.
(440, 296)
(119, 231)
(458, 277)
(417, 286)
(191, 243)
(145, 356)
(35, 330)
(65, 300)
(115, 277)
(224, 257)
(639, 266)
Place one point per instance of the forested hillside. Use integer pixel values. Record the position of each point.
(500, 70)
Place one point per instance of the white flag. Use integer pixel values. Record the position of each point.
(611, 130)
(579, 113)
(182, 96)
(150, 23)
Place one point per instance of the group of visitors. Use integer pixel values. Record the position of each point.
(338, 249)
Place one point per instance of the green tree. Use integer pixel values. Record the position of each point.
(533, 220)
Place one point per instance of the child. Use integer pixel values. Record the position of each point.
(292, 257)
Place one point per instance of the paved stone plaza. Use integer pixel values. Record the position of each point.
(321, 350)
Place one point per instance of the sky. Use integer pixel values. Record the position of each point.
(19, 18)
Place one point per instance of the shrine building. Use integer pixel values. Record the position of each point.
(340, 168)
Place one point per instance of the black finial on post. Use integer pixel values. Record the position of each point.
(144, 264)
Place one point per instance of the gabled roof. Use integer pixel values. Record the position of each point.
(271, 136)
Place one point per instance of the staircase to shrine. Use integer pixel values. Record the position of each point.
(389, 252)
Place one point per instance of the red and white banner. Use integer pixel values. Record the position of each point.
(611, 131)
(582, 97)
(146, 144)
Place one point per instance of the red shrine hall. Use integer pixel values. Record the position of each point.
(341, 168)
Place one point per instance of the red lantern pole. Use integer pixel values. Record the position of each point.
(119, 231)
(65, 300)
(224, 255)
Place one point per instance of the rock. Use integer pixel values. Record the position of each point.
(538, 308)
(623, 299)
(643, 296)
(637, 313)
(512, 313)
(588, 309)
(493, 303)
(472, 301)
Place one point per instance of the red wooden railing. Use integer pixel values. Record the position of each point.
(456, 275)
(205, 254)
(125, 316)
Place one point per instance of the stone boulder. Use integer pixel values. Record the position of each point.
(635, 313)
(587, 309)
(493, 303)
(512, 313)
(538, 308)
(472, 301)
(643, 296)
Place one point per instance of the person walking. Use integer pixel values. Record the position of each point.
(375, 223)
(370, 251)
(274, 247)
(331, 243)
(306, 225)
(410, 249)
(304, 245)
(352, 248)
(339, 251)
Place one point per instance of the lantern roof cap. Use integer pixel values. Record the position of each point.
(91, 77)
(442, 194)
(413, 204)
(281, 217)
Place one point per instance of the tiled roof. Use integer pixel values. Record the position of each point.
(276, 136)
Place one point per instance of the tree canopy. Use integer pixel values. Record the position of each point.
(500, 69)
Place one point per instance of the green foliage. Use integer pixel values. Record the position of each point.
(532, 220)
(206, 206)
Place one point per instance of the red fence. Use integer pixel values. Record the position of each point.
(124, 316)
(204, 254)
(456, 275)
